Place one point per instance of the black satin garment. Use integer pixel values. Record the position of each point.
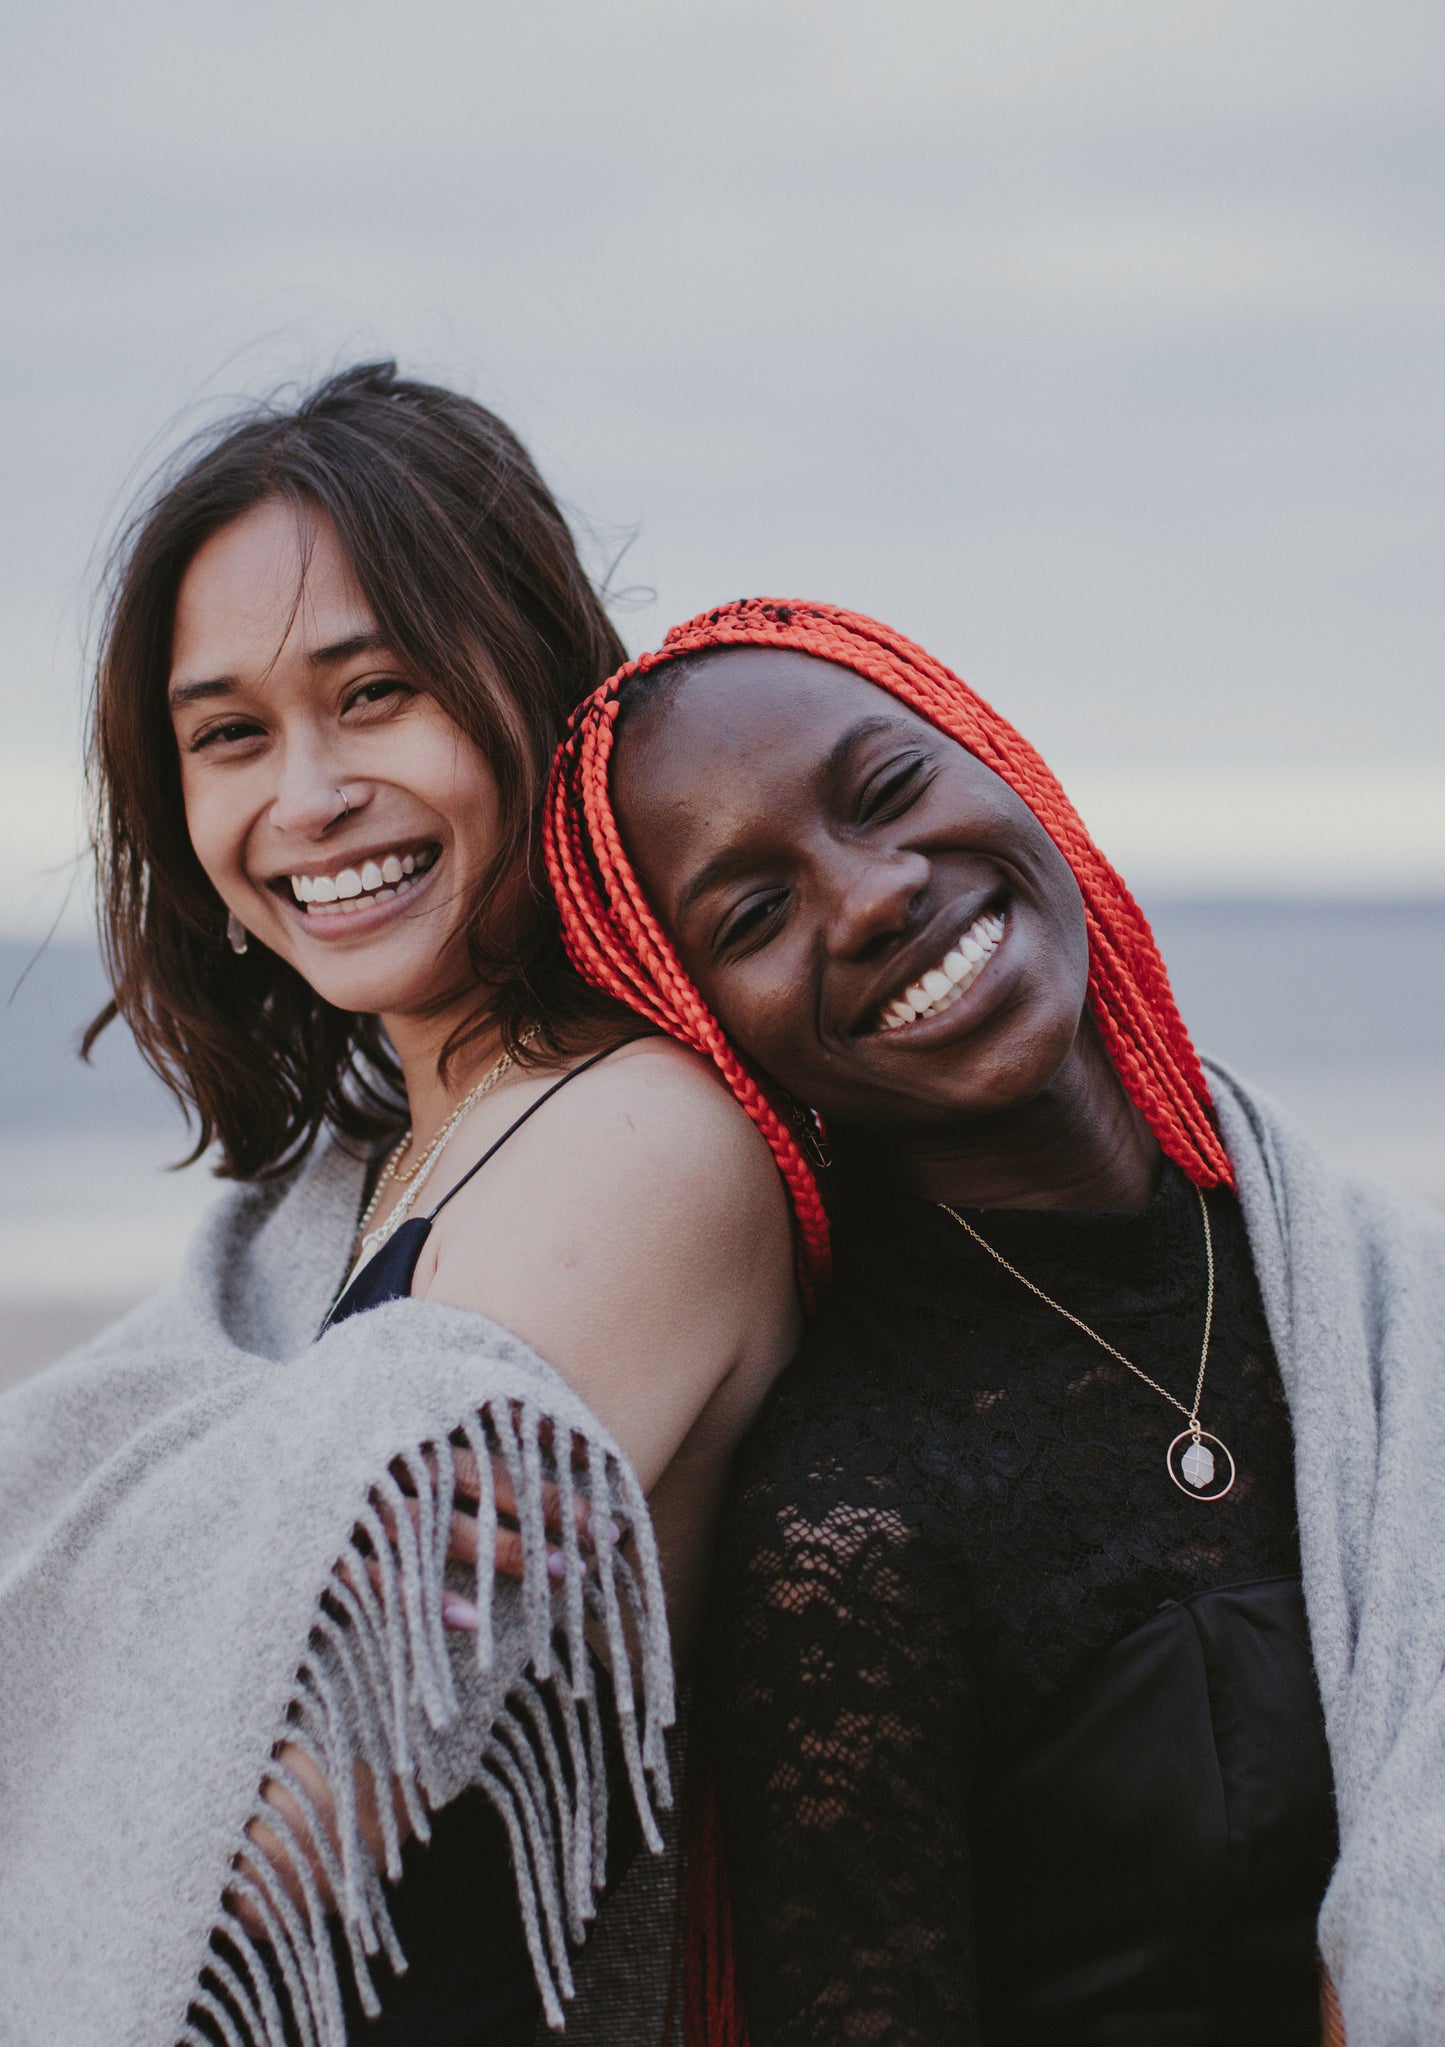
(1158, 1847)
(1016, 1744)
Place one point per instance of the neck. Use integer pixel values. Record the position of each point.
(1079, 1144)
(417, 1042)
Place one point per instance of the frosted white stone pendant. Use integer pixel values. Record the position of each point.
(1200, 1465)
(1197, 1465)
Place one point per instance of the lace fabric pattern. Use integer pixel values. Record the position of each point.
(952, 1501)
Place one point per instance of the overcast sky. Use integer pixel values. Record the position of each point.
(1097, 346)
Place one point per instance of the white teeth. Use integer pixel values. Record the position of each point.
(942, 985)
(376, 881)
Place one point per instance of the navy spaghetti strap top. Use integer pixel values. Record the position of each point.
(388, 1275)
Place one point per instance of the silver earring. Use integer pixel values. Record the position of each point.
(236, 932)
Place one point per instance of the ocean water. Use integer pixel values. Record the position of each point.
(1336, 1010)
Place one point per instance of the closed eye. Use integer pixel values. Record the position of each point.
(752, 921)
(379, 690)
(889, 792)
(229, 732)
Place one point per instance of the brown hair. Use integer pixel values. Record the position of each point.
(473, 577)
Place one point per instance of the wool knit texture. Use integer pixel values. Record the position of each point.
(181, 1590)
(1353, 1282)
(177, 1494)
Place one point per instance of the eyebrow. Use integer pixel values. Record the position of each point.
(183, 693)
(347, 650)
(732, 858)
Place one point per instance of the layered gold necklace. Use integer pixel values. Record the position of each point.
(416, 1177)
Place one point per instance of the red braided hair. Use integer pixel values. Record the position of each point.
(616, 943)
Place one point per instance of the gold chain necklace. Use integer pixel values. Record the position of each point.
(420, 1173)
(1197, 1470)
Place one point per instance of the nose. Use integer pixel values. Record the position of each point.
(315, 792)
(874, 894)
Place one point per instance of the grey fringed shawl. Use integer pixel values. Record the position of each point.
(1353, 1281)
(177, 1498)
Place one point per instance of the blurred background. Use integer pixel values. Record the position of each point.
(1097, 347)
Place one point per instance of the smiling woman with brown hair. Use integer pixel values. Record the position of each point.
(361, 1790)
(1015, 1687)
(443, 556)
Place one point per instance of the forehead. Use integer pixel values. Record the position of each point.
(273, 581)
(724, 766)
(766, 712)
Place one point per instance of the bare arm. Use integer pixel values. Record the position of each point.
(638, 1237)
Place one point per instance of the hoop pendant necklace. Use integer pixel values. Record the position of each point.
(1199, 1464)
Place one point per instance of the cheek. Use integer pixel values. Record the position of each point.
(214, 832)
(456, 779)
(760, 1011)
(1066, 936)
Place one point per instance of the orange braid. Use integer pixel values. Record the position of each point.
(616, 943)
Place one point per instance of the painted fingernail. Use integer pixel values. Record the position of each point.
(556, 1564)
(459, 1613)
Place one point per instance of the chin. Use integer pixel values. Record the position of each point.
(374, 987)
(1011, 1083)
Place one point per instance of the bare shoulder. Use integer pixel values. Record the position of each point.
(656, 1107)
(648, 1142)
(637, 1232)
(660, 1067)
(648, 1161)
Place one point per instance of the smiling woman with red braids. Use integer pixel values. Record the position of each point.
(1073, 1671)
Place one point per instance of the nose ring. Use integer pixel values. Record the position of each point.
(345, 810)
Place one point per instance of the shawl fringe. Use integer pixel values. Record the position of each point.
(381, 1686)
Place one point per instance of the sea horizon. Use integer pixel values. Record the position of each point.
(1336, 1009)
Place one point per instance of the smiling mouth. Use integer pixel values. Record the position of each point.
(375, 880)
(942, 985)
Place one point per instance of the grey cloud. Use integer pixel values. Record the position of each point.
(1096, 346)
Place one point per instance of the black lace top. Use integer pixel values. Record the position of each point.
(952, 1505)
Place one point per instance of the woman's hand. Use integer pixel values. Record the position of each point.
(463, 1545)
(279, 1846)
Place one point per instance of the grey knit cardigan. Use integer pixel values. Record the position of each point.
(177, 1497)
